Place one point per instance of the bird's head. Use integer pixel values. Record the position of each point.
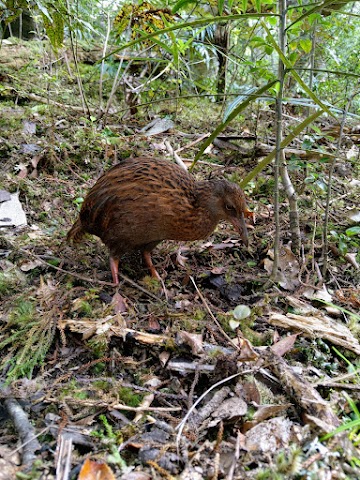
(228, 203)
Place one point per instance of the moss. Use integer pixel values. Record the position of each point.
(99, 345)
(128, 397)
(23, 312)
(151, 284)
(99, 368)
(29, 335)
(73, 390)
(102, 385)
(10, 281)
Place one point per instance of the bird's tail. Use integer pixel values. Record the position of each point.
(76, 232)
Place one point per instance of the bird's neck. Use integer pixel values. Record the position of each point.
(200, 220)
(207, 197)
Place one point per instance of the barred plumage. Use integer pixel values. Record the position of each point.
(142, 201)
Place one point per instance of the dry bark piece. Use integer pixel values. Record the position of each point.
(301, 391)
(112, 325)
(319, 326)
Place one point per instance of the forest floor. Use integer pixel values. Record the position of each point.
(229, 375)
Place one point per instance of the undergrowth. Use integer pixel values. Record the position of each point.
(27, 336)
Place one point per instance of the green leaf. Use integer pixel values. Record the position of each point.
(241, 312)
(251, 263)
(44, 11)
(233, 324)
(107, 132)
(289, 138)
(175, 49)
(352, 231)
(230, 116)
(244, 5)
(55, 27)
(343, 246)
(306, 45)
(181, 4)
(221, 6)
(193, 24)
(313, 17)
(257, 41)
(272, 21)
(318, 7)
(297, 77)
(293, 56)
(239, 99)
(54, 261)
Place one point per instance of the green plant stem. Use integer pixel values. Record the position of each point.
(279, 99)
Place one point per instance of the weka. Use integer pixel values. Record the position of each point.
(142, 201)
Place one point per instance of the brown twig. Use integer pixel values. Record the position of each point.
(231, 472)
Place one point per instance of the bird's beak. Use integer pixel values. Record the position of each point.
(240, 226)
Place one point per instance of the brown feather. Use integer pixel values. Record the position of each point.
(142, 201)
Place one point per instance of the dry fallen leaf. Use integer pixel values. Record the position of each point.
(30, 265)
(230, 409)
(267, 411)
(119, 303)
(47, 291)
(351, 258)
(269, 436)
(92, 470)
(195, 341)
(288, 268)
(284, 345)
(247, 352)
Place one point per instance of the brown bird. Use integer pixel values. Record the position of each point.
(142, 201)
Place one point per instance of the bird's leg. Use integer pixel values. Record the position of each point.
(114, 267)
(119, 303)
(150, 265)
(153, 271)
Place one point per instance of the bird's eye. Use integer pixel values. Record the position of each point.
(229, 207)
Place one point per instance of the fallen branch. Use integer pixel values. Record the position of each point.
(25, 430)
